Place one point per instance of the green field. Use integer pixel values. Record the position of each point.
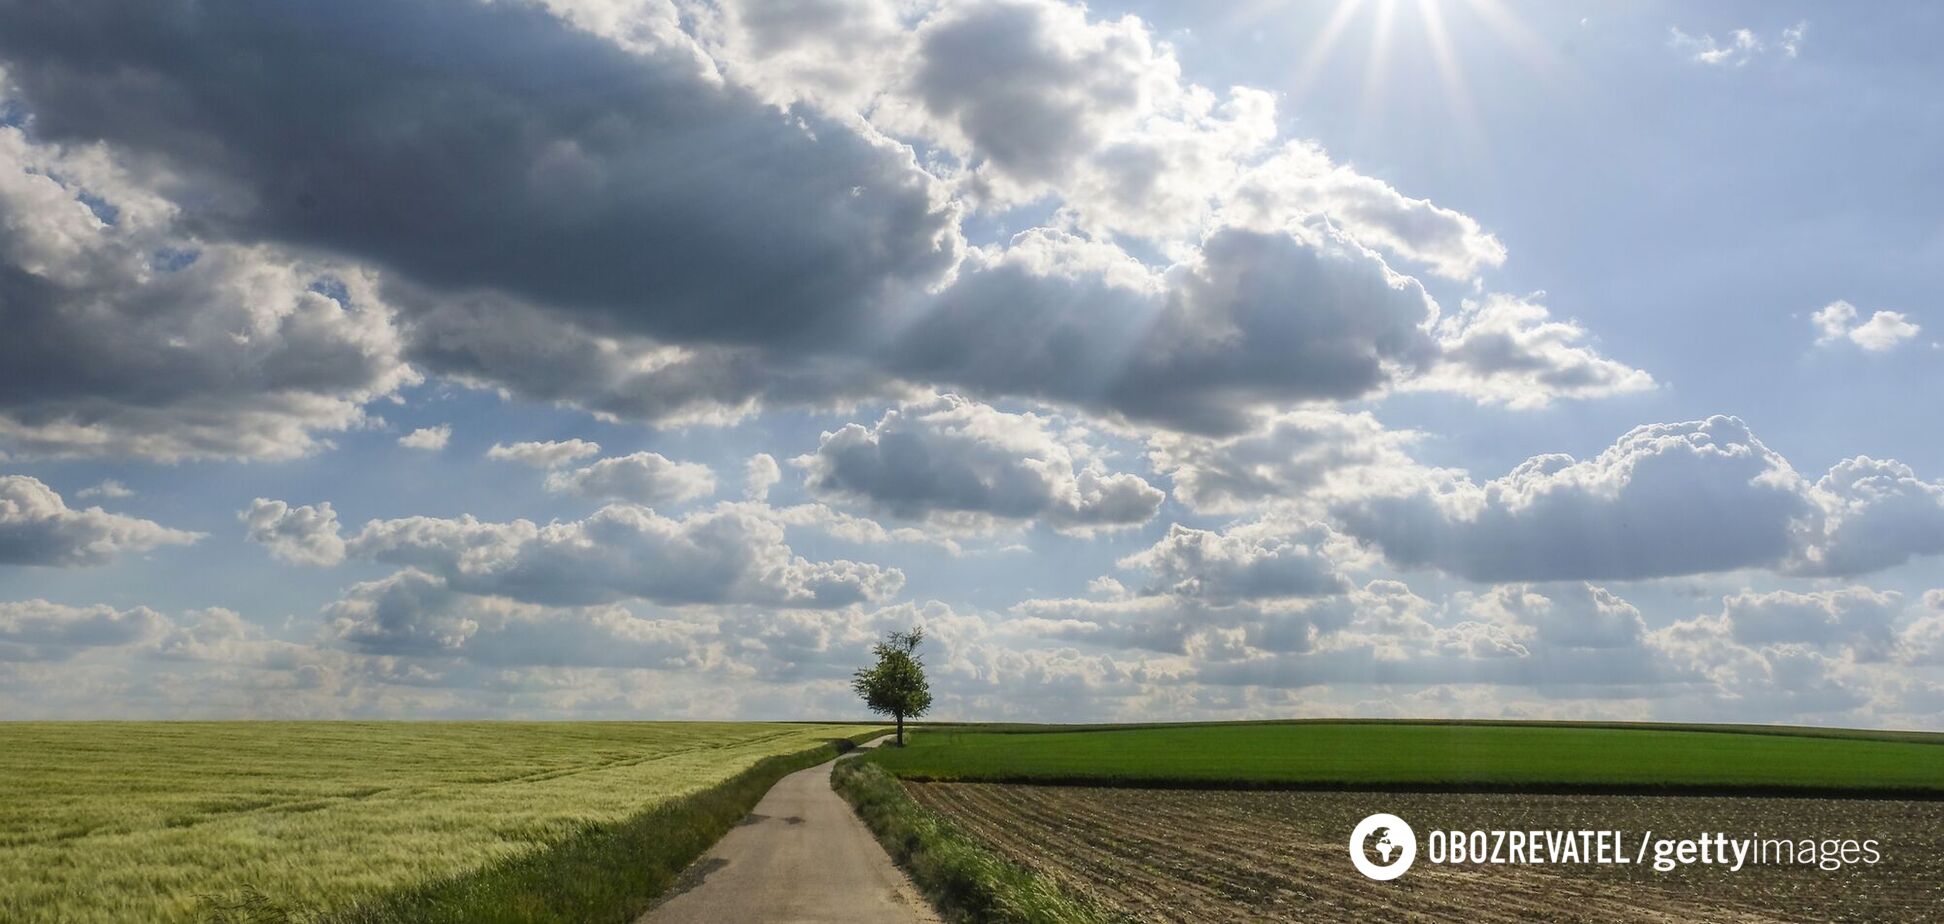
(1434, 756)
(111, 821)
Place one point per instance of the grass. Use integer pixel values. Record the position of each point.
(1434, 756)
(964, 880)
(370, 822)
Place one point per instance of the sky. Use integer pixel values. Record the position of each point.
(649, 359)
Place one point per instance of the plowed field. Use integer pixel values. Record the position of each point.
(1200, 855)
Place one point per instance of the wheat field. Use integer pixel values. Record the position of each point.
(141, 821)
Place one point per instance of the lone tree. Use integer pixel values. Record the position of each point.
(896, 685)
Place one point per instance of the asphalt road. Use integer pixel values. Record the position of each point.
(801, 856)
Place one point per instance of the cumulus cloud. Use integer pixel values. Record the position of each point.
(760, 473)
(1836, 323)
(1857, 617)
(1874, 514)
(613, 273)
(126, 335)
(36, 630)
(641, 478)
(728, 554)
(550, 454)
(1511, 351)
(605, 203)
(954, 460)
(1231, 566)
(1665, 499)
(427, 439)
(415, 613)
(1569, 616)
(303, 535)
(37, 527)
(1286, 458)
(1300, 180)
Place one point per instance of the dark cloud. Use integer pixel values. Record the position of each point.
(1255, 319)
(475, 145)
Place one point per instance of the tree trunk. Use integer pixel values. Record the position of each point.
(900, 716)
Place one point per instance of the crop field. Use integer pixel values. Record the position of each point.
(1436, 756)
(164, 821)
(1198, 855)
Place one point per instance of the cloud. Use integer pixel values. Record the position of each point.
(732, 553)
(36, 630)
(131, 336)
(1857, 617)
(415, 614)
(111, 489)
(760, 473)
(428, 439)
(1875, 515)
(1223, 567)
(1300, 180)
(1665, 499)
(553, 454)
(613, 271)
(302, 535)
(1286, 458)
(642, 478)
(38, 528)
(951, 460)
(1510, 351)
(1566, 616)
(1836, 322)
(1740, 47)
(611, 203)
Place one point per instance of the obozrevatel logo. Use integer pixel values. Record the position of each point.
(1393, 847)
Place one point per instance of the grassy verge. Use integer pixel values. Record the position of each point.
(964, 880)
(601, 873)
(1434, 757)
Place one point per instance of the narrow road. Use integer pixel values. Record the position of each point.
(801, 856)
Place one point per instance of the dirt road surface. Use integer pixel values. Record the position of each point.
(801, 856)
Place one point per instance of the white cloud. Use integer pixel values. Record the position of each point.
(1665, 499)
(732, 553)
(110, 489)
(1511, 351)
(427, 439)
(955, 461)
(38, 528)
(1836, 322)
(1287, 458)
(303, 535)
(552, 454)
(36, 630)
(1223, 567)
(760, 473)
(1739, 47)
(641, 478)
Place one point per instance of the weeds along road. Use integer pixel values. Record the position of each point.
(801, 856)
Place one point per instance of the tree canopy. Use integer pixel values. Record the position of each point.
(896, 686)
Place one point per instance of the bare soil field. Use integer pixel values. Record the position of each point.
(1200, 855)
